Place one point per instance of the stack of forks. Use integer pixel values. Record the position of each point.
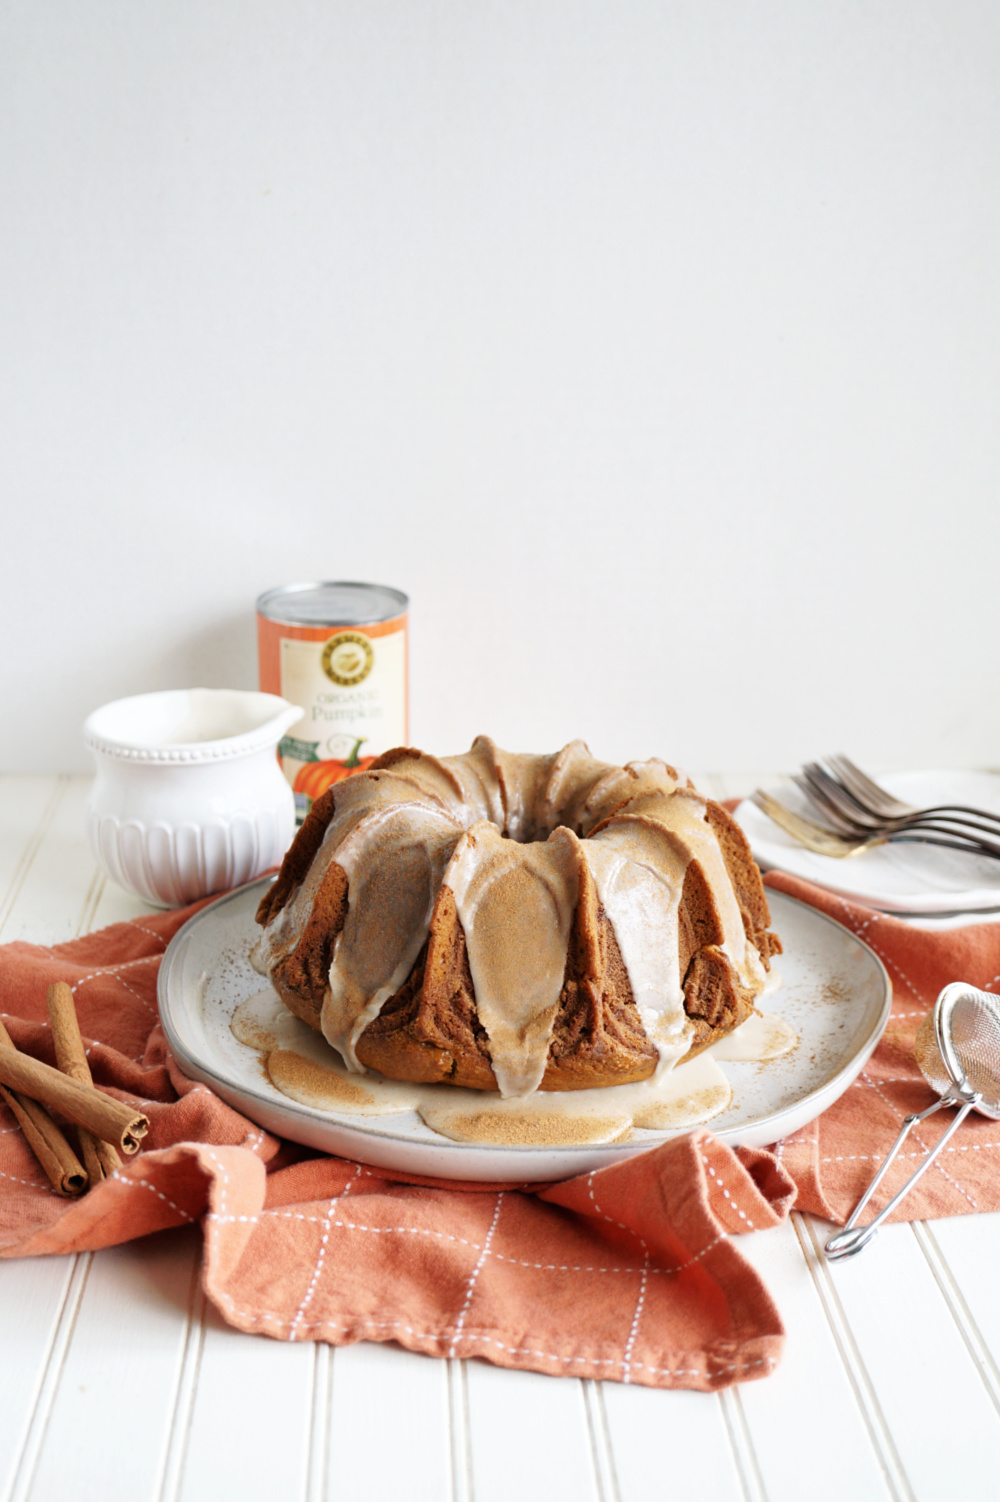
(859, 814)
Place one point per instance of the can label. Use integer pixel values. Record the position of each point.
(352, 685)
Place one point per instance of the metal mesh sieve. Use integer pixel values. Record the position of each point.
(967, 1032)
(967, 1024)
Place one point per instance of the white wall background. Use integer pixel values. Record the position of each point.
(654, 348)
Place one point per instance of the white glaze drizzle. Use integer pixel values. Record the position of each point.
(639, 874)
(394, 863)
(684, 817)
(515, 904)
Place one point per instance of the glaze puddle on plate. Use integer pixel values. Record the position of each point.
(300, 1064)
(835, 994)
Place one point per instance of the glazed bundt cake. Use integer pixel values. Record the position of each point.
(510, 922)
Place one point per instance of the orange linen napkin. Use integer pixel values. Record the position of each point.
(630, 1273)
(833, 1158)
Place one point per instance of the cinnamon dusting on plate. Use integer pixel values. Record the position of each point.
(312, 1085)
(529, 1128)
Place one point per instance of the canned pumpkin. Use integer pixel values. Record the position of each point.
(340, 651)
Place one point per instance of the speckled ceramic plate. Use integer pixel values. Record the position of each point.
(834, 992)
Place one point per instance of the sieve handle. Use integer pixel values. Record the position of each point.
(853, 1237)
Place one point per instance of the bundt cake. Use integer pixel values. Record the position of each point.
(511, 922)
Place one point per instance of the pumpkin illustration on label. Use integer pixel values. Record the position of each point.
(316, 776)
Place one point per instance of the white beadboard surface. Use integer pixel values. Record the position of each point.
(118, 1382)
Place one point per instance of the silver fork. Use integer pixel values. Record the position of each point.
(847, 815)
(829, 842)
(870, 798)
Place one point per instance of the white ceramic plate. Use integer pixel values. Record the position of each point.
(894, 878)
(834, 992)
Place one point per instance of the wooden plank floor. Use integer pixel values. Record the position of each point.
(117, 1382)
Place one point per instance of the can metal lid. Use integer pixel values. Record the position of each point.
(331, 603)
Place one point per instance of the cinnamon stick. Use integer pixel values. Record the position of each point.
(83, 1105)
(100, 1157)
(63, 1168)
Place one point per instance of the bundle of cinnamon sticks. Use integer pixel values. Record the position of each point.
(105, 1127)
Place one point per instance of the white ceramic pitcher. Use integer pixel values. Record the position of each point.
(189, 797)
